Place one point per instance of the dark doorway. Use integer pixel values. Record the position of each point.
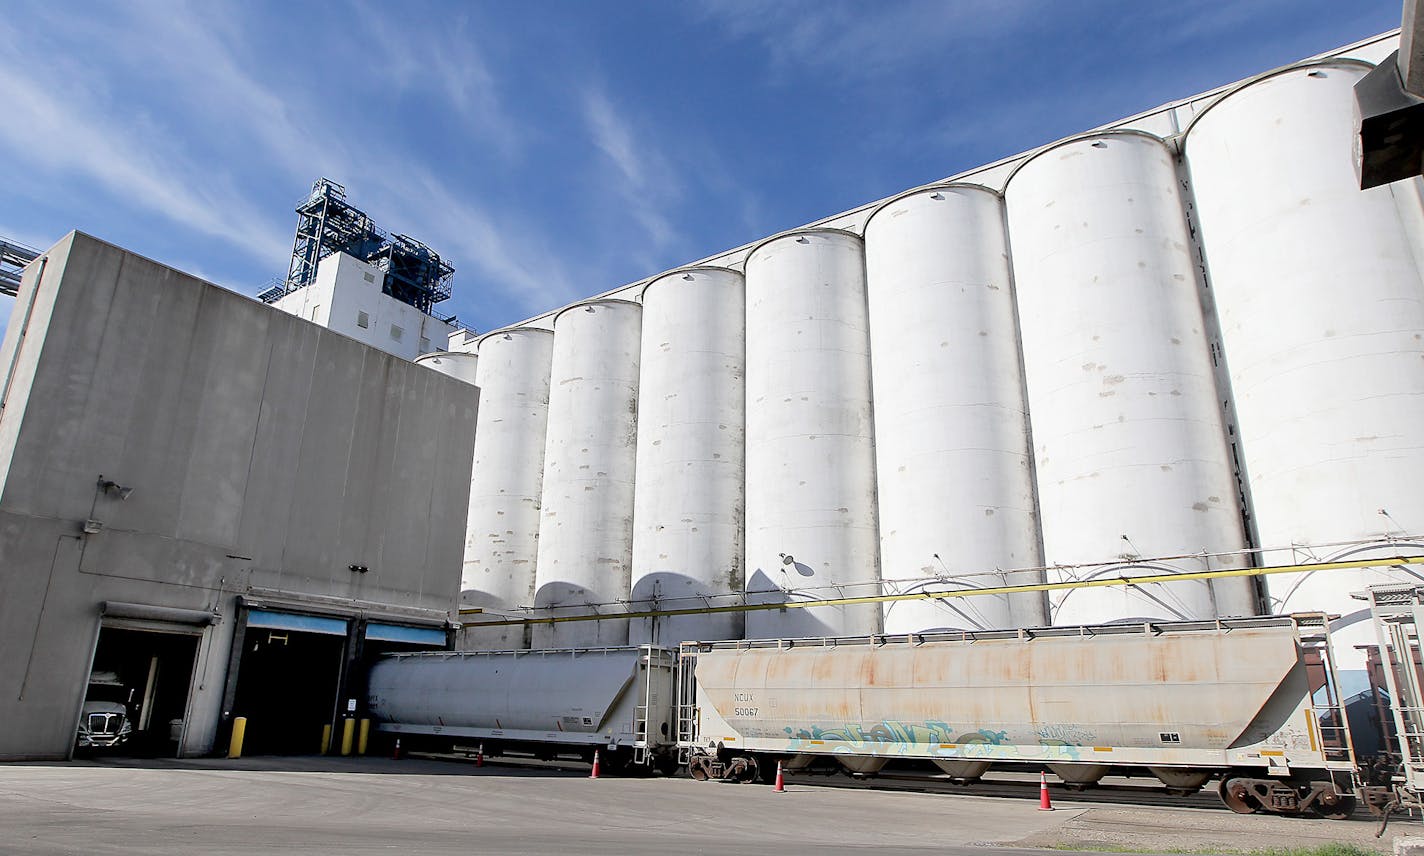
(286, 687)
(137, 696)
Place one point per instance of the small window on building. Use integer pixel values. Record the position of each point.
(370, 277)
(396, 332)
(363, 320)
(315, 311)
(424, 344)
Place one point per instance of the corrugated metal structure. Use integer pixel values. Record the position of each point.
(1179, 343)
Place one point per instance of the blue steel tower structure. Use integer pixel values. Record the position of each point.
(327, 223)
(13, 258)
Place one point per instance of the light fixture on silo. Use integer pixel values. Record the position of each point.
(109, 487)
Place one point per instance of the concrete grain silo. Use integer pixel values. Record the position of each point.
(586, 522)
(687, 537)
(1128, 434)
(1321, 302)
(502, 533)
(459, 366)
(953, 463)
(810, 462)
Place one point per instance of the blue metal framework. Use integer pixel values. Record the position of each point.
(327, 223)
(13, 258)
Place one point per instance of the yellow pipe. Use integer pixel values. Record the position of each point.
(363, 737)
(326, 738)
(945, 595)
(239, 731)
(348, 732)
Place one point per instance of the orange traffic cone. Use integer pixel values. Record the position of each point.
(480, 756)
(1043, 802)
(780, 780)
(396, 753)
(593, 774)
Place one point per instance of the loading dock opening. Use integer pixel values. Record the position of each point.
(146, 677)
(288, 675)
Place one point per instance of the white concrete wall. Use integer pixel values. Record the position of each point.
(263, 451)
(346, 287)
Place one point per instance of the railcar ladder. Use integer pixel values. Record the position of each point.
(687, 718)
(1326, 706)
(1398, 612)
(655, 666)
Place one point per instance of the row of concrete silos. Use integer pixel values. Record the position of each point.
(982, 385)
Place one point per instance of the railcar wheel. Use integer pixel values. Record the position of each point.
(748, 773)
(697, 771)
(1237, 796)
(1340, 809)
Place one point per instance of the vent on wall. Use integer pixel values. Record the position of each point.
(363, 320)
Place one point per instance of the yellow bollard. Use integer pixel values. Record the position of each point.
(239, 730)
(326, 738)
(363, 737)
(348, 733)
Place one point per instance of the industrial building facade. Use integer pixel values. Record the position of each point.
(1184, 342)
(219, 507)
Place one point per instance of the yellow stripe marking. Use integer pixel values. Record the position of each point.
(1100, 582)
(1310, 729)
(1102, 748)
(1274, 753)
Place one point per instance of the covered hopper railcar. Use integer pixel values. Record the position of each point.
(550, 703)
(1250, 701)
(1253, 703)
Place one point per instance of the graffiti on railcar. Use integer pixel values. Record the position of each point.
(936, 739)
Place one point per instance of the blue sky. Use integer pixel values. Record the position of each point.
(553, 150)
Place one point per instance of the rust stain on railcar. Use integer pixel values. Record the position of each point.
(1116, 690)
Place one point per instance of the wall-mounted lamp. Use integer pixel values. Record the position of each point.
(113, 488)
(357, 569)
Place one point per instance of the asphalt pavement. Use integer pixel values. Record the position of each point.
(352, 807)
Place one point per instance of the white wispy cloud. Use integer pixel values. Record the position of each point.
(54, 124)
(850, 40)
(25, 236)
(449, 59)
(644, 179)
(518, 259)
(235, 133)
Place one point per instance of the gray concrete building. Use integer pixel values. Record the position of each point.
(210, 509)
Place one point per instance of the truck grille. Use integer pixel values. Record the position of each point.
(105, 723)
